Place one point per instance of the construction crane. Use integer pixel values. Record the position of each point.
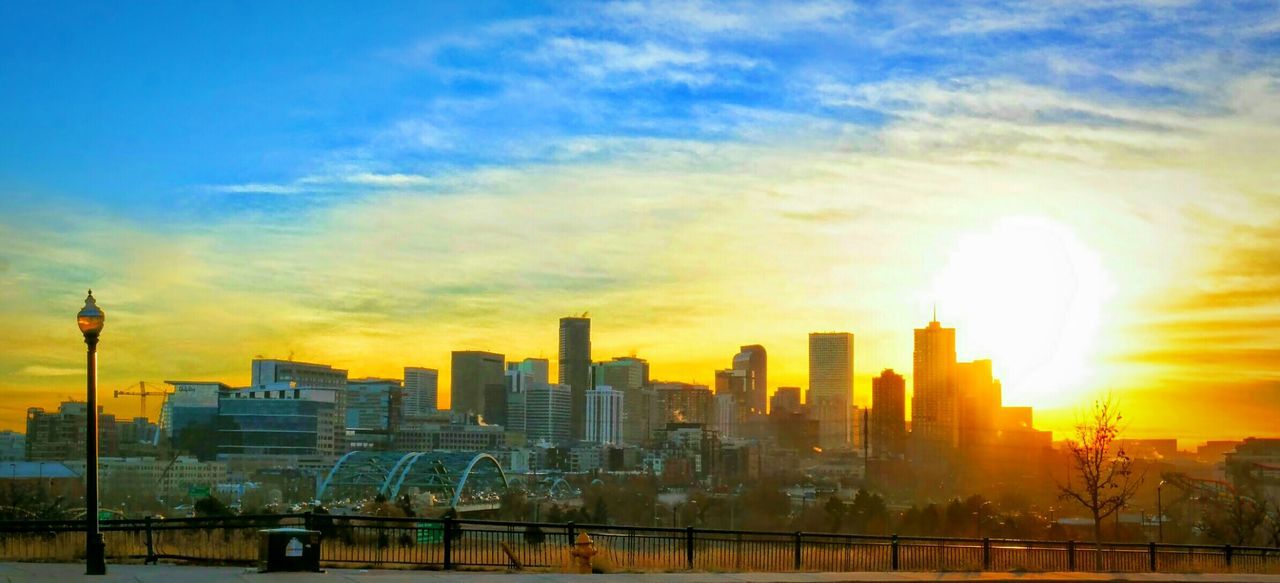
(141, 392)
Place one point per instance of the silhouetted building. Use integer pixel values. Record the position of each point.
(785, 400)
(575, 368)
(888, 415)
(450, 436)
(420, 397)
(604, 415)
(478, 385)
(683, 403)
(733, 396)
(306, 375)
(979, 395)
(935, 427)
(629, 376)
(831, 386)
(61, 435)
(13, 446)
(754, 359)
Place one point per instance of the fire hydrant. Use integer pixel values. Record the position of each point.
(583, 550)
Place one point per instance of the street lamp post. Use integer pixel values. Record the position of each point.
(1159, 513)
(90, 321)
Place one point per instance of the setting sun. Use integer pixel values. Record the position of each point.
(1028, 294)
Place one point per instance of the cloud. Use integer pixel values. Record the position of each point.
(254, 188)
(49, 371)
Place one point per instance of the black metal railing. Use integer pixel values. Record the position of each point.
(370, 541)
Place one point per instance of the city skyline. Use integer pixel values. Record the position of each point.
(1085, 191)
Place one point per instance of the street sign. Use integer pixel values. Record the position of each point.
(198, 491)
(104, 515)
(430, 532)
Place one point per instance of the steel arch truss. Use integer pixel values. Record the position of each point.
(459, 477)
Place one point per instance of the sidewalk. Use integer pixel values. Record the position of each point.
(59, 573)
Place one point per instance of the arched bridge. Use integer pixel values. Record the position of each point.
(468, 480)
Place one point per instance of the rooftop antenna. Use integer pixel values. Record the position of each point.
(935, 311)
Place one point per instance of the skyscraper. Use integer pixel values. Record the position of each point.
(575, 368)
(604, 415)
(831, 386)
(421, 392)
(935, 423)
(785, 400)
(630, 376)
(754, 358)
(979, 395)
(478, 384)
(733, 393)
(522, 377)
(547, 412)
(888, 410)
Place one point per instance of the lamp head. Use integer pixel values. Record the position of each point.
(90, 318)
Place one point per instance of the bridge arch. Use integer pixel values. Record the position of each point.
(362, 475)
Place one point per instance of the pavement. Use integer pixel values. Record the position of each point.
(58, 573)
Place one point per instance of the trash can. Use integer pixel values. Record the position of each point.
(289, 549)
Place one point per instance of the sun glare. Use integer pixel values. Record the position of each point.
(1028, 295)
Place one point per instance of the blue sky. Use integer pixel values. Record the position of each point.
(698, 175)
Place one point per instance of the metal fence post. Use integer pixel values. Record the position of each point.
(798, 559)
(1071, 555)
(1226, 555)
(688, 546)
(1151, 550)
(307, 521)
(572, 530)
(893, 553)
(448, 543)
(151, 547)
(986, 553)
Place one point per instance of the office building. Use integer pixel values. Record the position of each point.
(189, 417)
(754, 359)
(733, 400)
(888, 415)
(61, 435)
(479, 385)
(682, 403)
(420, 397)
(604, 415)
(280, 419)
(305, 375)
(630, 376)
(785, 400)
(450, 436)
(547, 413)
(13, 446)
(935, 427)
(373, 412)
(575, 368)
(831, 387)
(979, 396)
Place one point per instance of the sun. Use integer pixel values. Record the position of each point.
(1028, 294)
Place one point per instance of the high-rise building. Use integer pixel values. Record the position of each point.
(373, 412)
(683, 403)
(478, 385)
(979, 395)
(785, 400)
(733, 400)
(630, 376)
(306, 375)
(831, 386)
(575, 368)
(604, 415)
(548, 409)
(753, 358)
(521, 377)
(420, 397)
(61, 435)
(888, 415)
(726, 415)
(935, 427)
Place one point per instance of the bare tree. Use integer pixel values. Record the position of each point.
(1102, 478)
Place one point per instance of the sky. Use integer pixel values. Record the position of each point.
(1086, 190)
